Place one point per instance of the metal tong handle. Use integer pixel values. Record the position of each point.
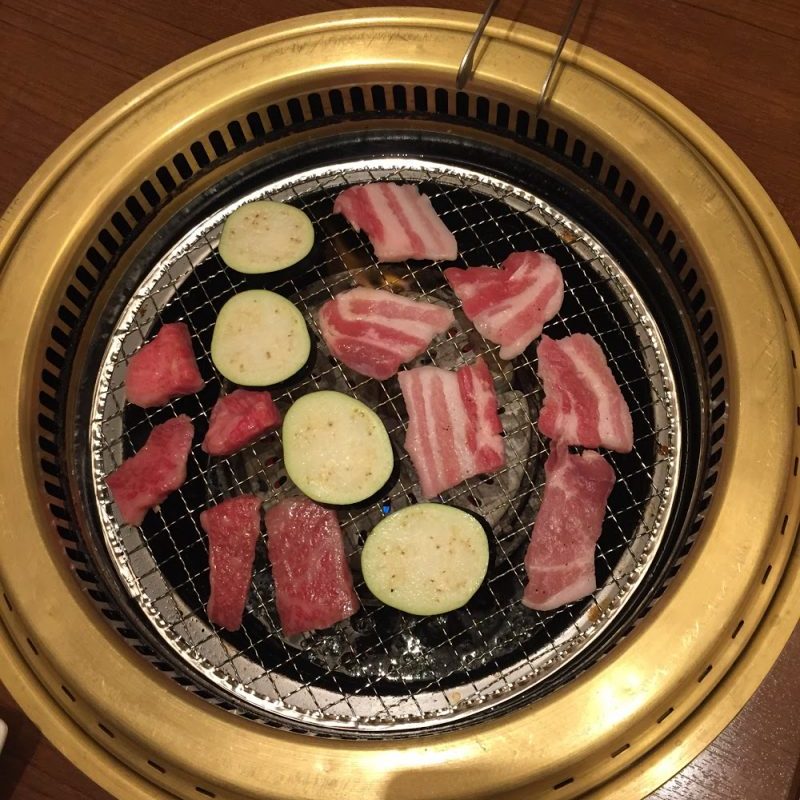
(556, 55)
(465, 68)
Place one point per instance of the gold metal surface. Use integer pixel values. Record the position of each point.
(575, 732)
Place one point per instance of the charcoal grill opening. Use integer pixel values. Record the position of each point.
(383, 672)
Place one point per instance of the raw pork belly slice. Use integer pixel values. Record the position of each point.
(164, 368)
(159, 468)
(399, 221)
(374, 331)
(560, 557)
(239, 419)
(454, 431)
(232, 528)
(510, 305)
(313, 584)
(583, 404)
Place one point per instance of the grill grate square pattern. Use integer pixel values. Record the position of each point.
(385, 672)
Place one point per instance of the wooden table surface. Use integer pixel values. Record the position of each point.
(736, 63)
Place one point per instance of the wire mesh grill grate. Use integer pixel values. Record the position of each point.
(383, 671)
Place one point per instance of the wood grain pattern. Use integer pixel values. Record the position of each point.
(736, 63)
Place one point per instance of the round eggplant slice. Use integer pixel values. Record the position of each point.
(425, 559)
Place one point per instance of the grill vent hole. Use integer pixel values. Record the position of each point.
(620, 750)
(718, 413)
(565, 782)
(75, 297)
(785, 523)
(67, 317)
(399, 98)
(156, 767)
(710, 345)
(295, 111)
(8, 603)
(710, 482)
(181, 164)
(165, 179)
(32, 646)
(656, 224)
(737, 629)
(542, 131)
(206, 792)
(59, 336)
(595, 165)
(200, 156)
(704, 673)
(579, 152)
(107, 731)
(337, 101)
(766, 574)
(47, 424)
(108, 613)
(704, 323)
(76, 555)
(628, 191)
(315, 106)
(503, 115)
(699, 300)
(135, 208)
(48, 401)
(121, 225)
(523, 123)
(54, 491)
(149, 191)
(54, 358)
(67, 692)
(664, 715)
(47, 446)
(237, 134)
(421, 98)
(255, 124)
(357, 100)
(379, 98)
(108, 241)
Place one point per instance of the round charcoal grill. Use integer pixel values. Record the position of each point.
(640, 205)
(384, 671)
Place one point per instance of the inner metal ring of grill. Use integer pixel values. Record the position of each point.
(384, 671)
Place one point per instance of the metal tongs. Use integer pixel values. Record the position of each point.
(465, 68)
